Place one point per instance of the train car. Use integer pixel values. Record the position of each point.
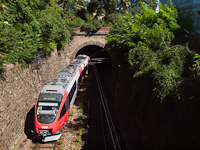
(56, 99)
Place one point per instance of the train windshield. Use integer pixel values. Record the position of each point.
(47, 107)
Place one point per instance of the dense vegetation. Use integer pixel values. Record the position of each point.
(28, 27)
(145, 41)
(157, 77)
(31, 26)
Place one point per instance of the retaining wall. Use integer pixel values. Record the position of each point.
(18, 91)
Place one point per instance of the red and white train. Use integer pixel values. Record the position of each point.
(56, 99)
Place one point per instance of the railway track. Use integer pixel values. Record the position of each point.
(45, 146)
(48, 146)
(101, 130)
(95, 136)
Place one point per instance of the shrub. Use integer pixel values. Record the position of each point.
(92, 24)
(145, 41)
(28, 27)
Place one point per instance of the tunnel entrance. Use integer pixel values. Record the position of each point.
(94, 51)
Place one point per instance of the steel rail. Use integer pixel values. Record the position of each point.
(104, 139)
(39, 146)
(109, 115)
(107, 112)
(86, 140)
(88, 111)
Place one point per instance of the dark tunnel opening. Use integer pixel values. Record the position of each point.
(94, 51)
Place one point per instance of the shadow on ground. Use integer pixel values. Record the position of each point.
(29, 123)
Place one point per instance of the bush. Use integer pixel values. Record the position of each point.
(92, 24)
(30, 26)
(145, 41)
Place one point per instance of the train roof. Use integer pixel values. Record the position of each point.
(70, 69)
(59, 83)
(53, 89)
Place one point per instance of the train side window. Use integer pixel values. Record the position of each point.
(84, 72)
(67, 103)
(71, 93)
(80, 77)
(63, 111)
(70, 96)
(81, 74)
(74, 87)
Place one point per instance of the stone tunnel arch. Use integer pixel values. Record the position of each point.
(83, 39)
(86, 44)
(102, 45)
(94, 43)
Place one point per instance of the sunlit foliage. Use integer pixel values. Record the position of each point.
(145, 41)
(28, 27)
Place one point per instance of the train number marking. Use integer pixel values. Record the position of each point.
(61, 123)
(44, 127)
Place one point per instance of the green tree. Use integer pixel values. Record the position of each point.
(53, 27)
(29, 26)
(145, 41)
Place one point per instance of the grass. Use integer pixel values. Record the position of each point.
(80, 128)
(78, 139)
(71, 114)
(83, 143)
(81, 121)
(82, 115)
(81, 106)
(59, 143)
(18, 141)
(80, 131)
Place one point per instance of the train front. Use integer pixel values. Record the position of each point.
(46, 120)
